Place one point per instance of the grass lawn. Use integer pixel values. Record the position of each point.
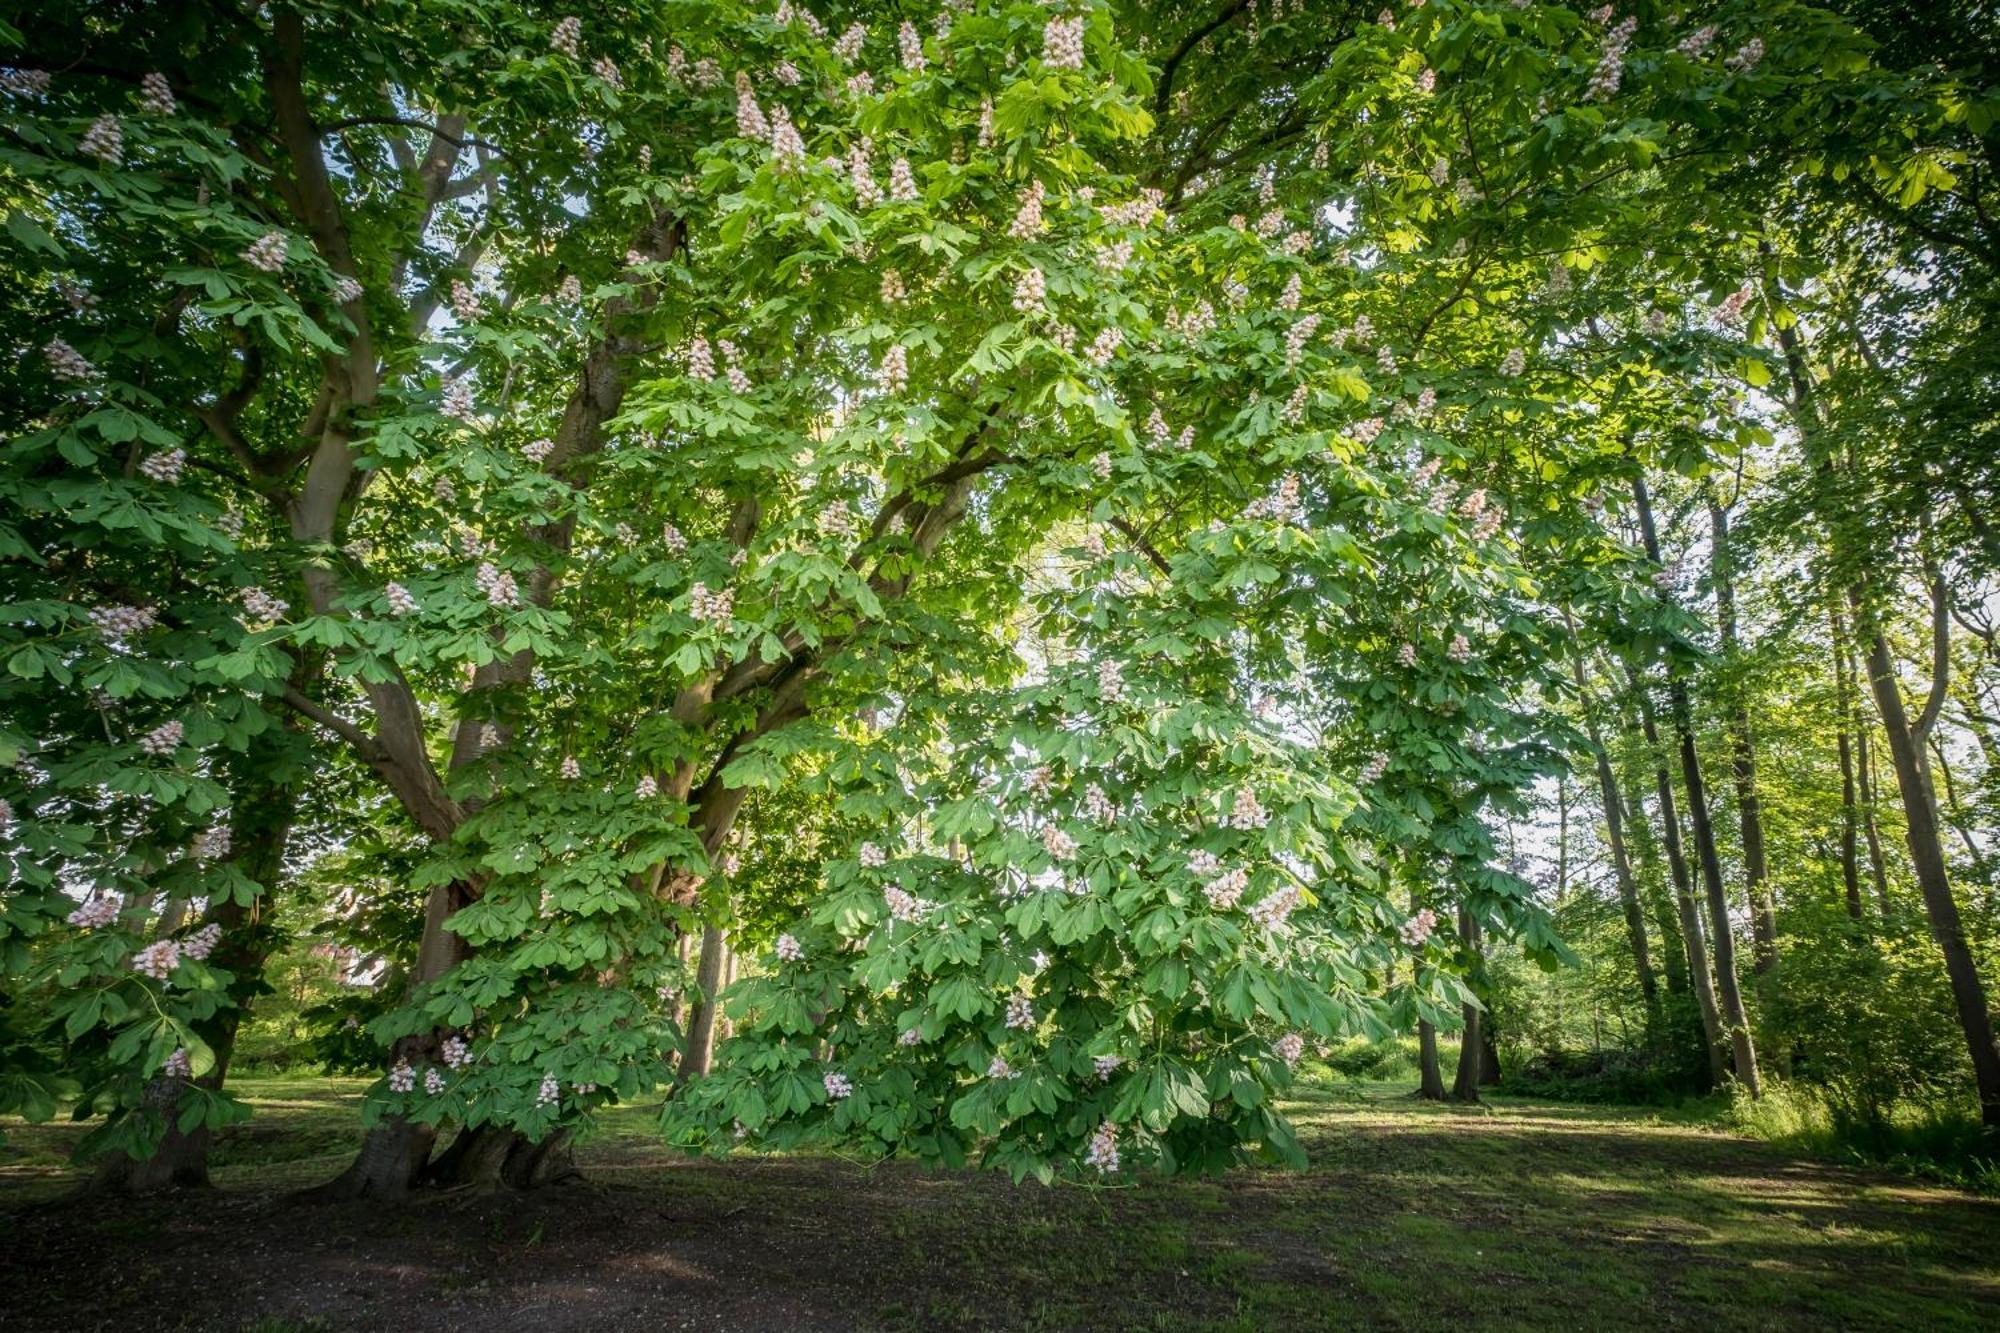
(1519, 1215)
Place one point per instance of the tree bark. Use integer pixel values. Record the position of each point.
(1430, 1086)
(699, 1043)
(1843, 691)
(1743, 1051)
(1471, 1046)
(1743, 757)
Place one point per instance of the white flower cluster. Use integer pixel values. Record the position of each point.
(872, 857)
(100, 909)
(24, 82)
(910, 45)
(1289, 1047)
(838, 1086)
(1103, 1152)
(861, 173)
(457, 403)
(1418, 928)
(1283, 505)
(894, 374)
(155, 95)
(1696, 44)
(163, 739)
(1062, 43)
(985, 122)
(1248, 813)
(433, 1081)
(465, 301)
(910, 1037)
(739, 382)
(178, 1065)
(647, 787)
(498, 585)
(1136, 212)
(1460, 650)
(1296, 339)
(711, 608)
(1226, 888)
(119, 622)
(673, 540)
(837, 519)
(1294, 290)
(567, 37)
(157, 960)
(201, 944)
(700, 359)
(104, 140)
(788, 149)
(1731, 309)
(164, 467)
(1610, 71)
(267, 252)
(1028, 219)
(848, 47)
(1059, 845)
(1106, 1065)
(549, 1093)
(1105, 346)
(1747, 57)
(456, 1053)
(999, 1068)
(1294, 409)
(211, 844)
(902, 184)
(790, 950)
(1406, 654)
(1097, 807)
(1020, 1012)
(68, 364)
(1514, 362)
(904, 905)
(605, 68)
(399, 599)
(1377, 765)
(892, 287)
(538, 451)
(402, 1078)
(1030, 291)
(6, 816)
(1110, 681)
(261, 607)
(1272, 911)
(1195, 323)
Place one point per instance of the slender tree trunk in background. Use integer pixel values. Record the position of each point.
(1621, 864)
(1878, 865)
(1743, 757)
(1472, 1046)
(1652, 883)
(1690, 916)
(1489, 1053)
(699, 1042)
(1843, 690)
(1743, 1051)
(1906, 742)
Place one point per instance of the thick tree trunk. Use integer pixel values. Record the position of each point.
(699, 1044)
(1471, 1046)
(1743, 757)
(1920, 824)
(1489, 1054)
(1430, 1084)
(1843, 691)
(494, 1157)
(1690, 916)
(1743, 1051)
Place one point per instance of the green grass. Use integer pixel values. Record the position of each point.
(1516, 1215)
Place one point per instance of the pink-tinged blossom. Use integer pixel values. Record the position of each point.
(201, 944)
(1110, 681)
(1427, 81)
(1289, 1047)
(1296, 339)
(1696, 44)
(711, 608)
(433, 1081)
(903, 905)
(399, 600)
(1272, 911)
(1418, 928)
(647, 788)
(570, 770)
(838, 1086)
(1747, 57)
(156, 95)
(1731, 309)
(700, 359)
(1020, 1012)
(6, 816)
(1000, 1069)
(1097, 807)
(1106, 1065)
(261, 608)
(894, 373)
(848, 48)
(910, 45)
(1039, 781)
(157, 960)
(985, 122)
(1062, 43)
(1514, 362)
(25, 82)
(673, 540)
(1100, 465)
(1376, 767)
(465, 302)
(861, 174)
(707, 73)
(607, 69)
(910, 1037)
(892, 287)
(68, 364)
(1226, 890)
(498, 585)
(549, 1093)
(457, 402)
(860, 86)
(402, 1078)
(455, 1052)
(1610, 71)
(267, 252)
(178, 1065)
(568, 37)
(165, 466)
(872, 857)
(1406, 654)
(538, 451)
(902, 183)
(1028, 220)
(1030, 291)
(98, 911)
(1103, 1152)
(790, 950)
(104, 140)
(162, 740)
(1248, 813)
(732, 865)
(571, 290)
(122, 622)
(1058, 844)
(788, 150)
(1460, 650)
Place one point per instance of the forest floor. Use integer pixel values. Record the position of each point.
(1517, 1215)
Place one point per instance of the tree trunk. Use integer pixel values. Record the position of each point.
(1690, 916)
(1920, 824)
(1743, 1051)
(1431, 1084)
(1471, 1046)
(700, 1041)
(1843, 691)
(1878, 865)
(494, 1157)
(1489, 1054)
(1743, 758)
